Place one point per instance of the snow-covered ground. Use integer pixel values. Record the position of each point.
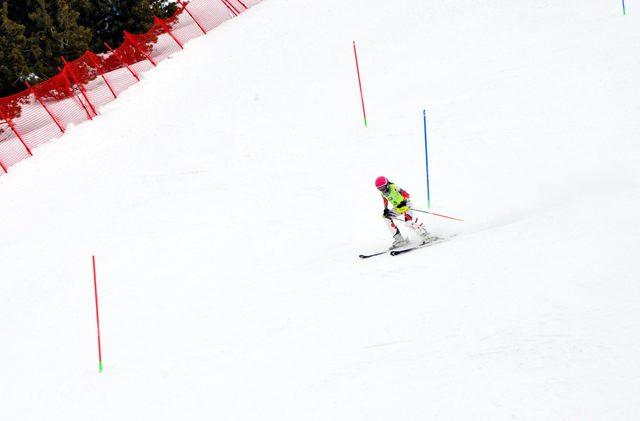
(227, 196)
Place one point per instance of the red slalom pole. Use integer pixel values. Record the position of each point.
(95, 290)
(355, 54)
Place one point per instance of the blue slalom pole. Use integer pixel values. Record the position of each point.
(426, 156)
(624, 9)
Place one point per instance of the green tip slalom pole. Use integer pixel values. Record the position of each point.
(624, 8)
(355, 54)
(95, 291)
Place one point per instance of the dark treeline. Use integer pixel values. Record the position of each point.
(34, 34)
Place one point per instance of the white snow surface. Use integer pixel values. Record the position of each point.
(227, 196)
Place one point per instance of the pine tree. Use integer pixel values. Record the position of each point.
(110, 18)
(34, 34)
(55, 32)
(13, 45)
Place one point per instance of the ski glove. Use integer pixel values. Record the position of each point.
(385, 213)
(402, 206)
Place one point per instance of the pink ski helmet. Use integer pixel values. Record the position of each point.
(382, 183)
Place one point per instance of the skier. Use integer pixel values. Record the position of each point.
(399, 199)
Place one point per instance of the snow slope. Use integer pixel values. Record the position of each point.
(227, 196)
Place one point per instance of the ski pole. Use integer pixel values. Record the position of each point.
(437, 214)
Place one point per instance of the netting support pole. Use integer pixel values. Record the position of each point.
(243, 5)
(55, 120)
(230, 7)
(101, 73)
(137, 47)
(80, 86)
(61, 72)
(76, 96)
(13, 127)
(115, 53)
(184, 7)
(166, 28)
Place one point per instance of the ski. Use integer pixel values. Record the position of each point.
(436, 240)
(366, 256)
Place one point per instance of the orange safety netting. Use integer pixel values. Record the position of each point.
(44, 111)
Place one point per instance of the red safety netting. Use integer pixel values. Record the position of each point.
(12, 110)
(156, 44)
(132, 57)
(44, 111)
(88, 71)
(183, 26)
(66, 102)
(209, 14)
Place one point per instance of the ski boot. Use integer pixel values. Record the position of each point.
(426, 237)
(421, 231)
(398, 241)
